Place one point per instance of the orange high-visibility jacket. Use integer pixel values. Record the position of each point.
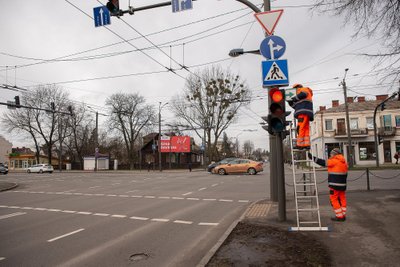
(337, 171)
(302, 102)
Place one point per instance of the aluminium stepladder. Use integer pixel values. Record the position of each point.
(305, 191)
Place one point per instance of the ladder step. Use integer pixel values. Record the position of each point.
(311, 184)
(306, 196)
(310, 222)
(312, 209)
(305, 228)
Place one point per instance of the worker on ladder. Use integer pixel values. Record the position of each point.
(304, 113)
(337, 182)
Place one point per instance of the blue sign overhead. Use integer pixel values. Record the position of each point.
(275, 72)
(101, 16)
(272, 47)
(181, 5)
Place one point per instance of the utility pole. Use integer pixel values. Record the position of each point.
(159, 136)
(96, 149)
(350, 147)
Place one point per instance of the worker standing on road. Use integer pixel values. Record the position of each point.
(304, 113)
(337, 179)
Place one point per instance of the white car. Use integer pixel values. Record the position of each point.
(40, 168)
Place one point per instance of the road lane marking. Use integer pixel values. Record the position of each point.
(84, 212)
(139, 218)
(101, 214)
(138, 196)
(118, 216)
(208, 224)
(68, 211)
(68, 234)
(203, 188)
(2, 258)
(188, 193)
(183, 222)
(11, 215)
(214, 185)
(131, 191)
(159, 220)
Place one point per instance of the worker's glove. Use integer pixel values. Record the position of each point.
(291, 103)
(310, 156)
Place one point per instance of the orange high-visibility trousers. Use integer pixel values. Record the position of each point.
(303, 131)
(338, 202)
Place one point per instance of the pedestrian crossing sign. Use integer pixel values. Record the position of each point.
(275, 72)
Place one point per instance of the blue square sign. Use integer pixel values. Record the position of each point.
(275, 72)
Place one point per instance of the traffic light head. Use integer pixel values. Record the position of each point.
(277, 111)
(17, 102)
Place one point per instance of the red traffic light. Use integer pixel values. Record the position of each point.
(276, 95)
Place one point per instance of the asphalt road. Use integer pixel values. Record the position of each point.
(117, 219)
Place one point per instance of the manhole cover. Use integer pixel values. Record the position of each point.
(139, 257)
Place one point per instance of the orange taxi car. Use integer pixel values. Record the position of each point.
(239, 166)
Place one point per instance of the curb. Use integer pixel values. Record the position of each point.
(203, 262)
(8, 186)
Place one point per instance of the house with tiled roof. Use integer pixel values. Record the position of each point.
(328, 130)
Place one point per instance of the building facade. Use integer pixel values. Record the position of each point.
(328, 130)
(5, 149)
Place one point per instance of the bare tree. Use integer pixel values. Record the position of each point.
(248, 147)
(209, 104)
(378, 19)
(41, 125)
(129, 115)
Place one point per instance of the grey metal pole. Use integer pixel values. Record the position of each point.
(346, 105)
(281, 179)
(159, 136)
(376, 138)
(96, 150)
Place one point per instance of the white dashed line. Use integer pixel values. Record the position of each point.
(111, 195)
(188, 193)
(54, 210)
(137, 196)
(159, 220)
(84, 212)
(149, 197)
(123, 195)
(132, 191)
(203, 188)
(209, 199)
(243, 201)
(208, 224)
(178, 198)
(139, 218)
(226, 200)
(192, 198)
(183, 222)
(97, 186)
(2, 258)
(101, 214)
(68, 211)
(214, 185)
(164, 197)
(68, 234)
(118, 216)
(11, 215)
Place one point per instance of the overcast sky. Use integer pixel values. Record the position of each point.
(93, 63)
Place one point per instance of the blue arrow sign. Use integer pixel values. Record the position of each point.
(101, 16)
(273, 47)
(181, 5)
(275, 72)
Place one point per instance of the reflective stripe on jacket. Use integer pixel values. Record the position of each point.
(337, 171)
(303, 102)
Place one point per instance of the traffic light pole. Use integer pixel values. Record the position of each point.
(280, 171)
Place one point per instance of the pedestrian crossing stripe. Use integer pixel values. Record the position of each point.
(275, 73)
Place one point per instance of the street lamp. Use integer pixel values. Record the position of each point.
(159, 132)
(239, 51)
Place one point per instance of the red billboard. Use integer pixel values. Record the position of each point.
(179, 144)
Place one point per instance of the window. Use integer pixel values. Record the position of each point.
(397, 119)
(387, 121)
(328, 125)
(354, 123)
(367, 150)
(370, 123)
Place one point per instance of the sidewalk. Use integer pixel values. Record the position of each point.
(368, 237)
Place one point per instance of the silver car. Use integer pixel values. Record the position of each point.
(40, 168)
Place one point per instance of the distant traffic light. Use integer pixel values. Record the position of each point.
(53, 106)
(277, 111)
(17, 102)
(113, 6)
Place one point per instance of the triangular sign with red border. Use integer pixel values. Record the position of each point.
(269, 19)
